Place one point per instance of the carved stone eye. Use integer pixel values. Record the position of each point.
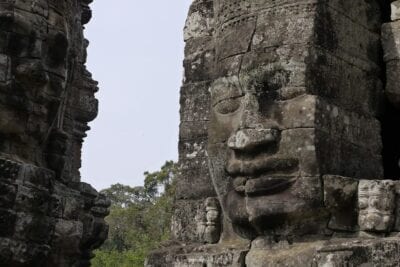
(227, 106)
(17, 45)
(58, 49)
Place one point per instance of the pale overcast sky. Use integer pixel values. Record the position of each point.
(136, 53)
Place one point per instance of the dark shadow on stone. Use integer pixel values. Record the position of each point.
(391, 142)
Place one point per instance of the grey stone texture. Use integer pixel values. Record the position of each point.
(302, 102)
(284, 121)
(376, 203)
(395, 10)
(48, 217)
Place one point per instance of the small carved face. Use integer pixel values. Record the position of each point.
(376, 205)
(33, 69)
(262, 151)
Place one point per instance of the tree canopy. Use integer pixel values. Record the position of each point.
(139, 219)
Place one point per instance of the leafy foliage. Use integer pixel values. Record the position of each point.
(139, 219)
(123, 195)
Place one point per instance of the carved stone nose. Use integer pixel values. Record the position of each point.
(247, 139)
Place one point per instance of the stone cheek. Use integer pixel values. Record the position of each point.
(376, 203)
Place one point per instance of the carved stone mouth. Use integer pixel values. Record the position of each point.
(261, 165)
(265, 185)
(268, 185)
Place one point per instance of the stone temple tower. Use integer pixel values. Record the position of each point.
(48, 217)
(289, 152)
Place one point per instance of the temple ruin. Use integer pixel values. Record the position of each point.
(289, 152)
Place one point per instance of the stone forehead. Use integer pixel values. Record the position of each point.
(226, 11)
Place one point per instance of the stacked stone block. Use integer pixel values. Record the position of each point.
(48, 217)
(194, 184)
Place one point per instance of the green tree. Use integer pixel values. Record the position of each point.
(162, 178)
(139, 219)
(124, 195)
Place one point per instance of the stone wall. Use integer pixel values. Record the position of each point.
(194, 180)
(48, 217)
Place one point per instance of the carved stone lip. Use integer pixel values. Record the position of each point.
(261, 165)
(268, 185)
(265, 185)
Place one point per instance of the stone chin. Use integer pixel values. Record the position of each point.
(273, 199)
(269, 212)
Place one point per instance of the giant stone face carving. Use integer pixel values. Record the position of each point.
(280, 113)
(35, 53)
(262, 168)
(48, 216)
(290, 128)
